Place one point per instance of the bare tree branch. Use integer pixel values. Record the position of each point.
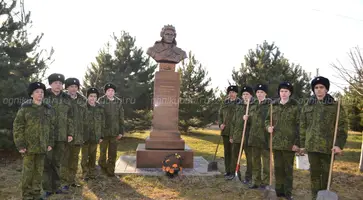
(353, 75)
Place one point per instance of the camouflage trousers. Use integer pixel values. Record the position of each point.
(227, 154)
(31, 181)
(248, 154)
(319, 172)
(284, 167)
(88, 163)
(234, 159)
(52, 167)
(70, 165)
(260, 171)
(108, 146)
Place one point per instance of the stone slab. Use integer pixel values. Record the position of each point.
(166, 100)
(147, 158)
(127, 165)
(164, 144)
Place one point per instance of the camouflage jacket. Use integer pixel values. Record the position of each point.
(114, 116)
(258, 135)
(63, 114)
(226, 113)
(79, 110)
(238, 123)
(95, 124)
(317, 125)
(33, 127)
(285, 120)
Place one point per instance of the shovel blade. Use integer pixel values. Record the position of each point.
(326, 195)
(213, 166)
(269, 194)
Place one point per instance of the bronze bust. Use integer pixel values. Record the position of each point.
(165, 50)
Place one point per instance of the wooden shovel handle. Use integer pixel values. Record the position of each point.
(243, 135)
(334, 140)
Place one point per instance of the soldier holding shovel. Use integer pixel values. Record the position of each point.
(285, 142)
(317, 123)
(225, 117)
(236, 135)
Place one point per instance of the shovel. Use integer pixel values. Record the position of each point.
(235, 178)
(327, 194)
(270, 193)
(213, 166)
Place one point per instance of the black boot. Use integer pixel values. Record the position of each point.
(227, 174)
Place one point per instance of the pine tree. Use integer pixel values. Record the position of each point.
(132, 74)
(98, 73)
(266, 64)
(353, 105)
(198, 105)
(20, 62)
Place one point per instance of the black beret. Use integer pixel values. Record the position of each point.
(110, 85)
(233, 88)
(320, 80)
(55, 77)
(71, 81)
(285, 85)
(248, 89)
(92, 90)
(262, 87)
(35, 85)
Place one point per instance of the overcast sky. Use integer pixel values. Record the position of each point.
(219, 33)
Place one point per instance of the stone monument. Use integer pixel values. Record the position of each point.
(164, 136)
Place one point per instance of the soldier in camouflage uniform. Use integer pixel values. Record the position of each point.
(93, 134)
(114, 129)
(259, 138)
(63, 134)
(285, 142)
(236, 133)
(317, 124)
(226, 112)
(33, 136)
(79, 106)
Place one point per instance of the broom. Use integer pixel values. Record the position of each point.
(327, 194)
(270, 193)
(235, 178)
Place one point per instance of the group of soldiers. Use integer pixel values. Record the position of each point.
(54, 126)
(296, 128)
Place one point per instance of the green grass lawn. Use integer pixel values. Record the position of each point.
(347, 180)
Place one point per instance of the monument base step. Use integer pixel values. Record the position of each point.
(164, 144)
(147, 158)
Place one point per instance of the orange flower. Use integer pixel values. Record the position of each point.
(175, 165)
(171, 171)
(167, 169)
(167, 160)
(164, 168)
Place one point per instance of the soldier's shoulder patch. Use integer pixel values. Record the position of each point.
(275, 102)
(81, 96)
(117, 99)
(268, 101)
(239, 101)
(27, 103)
(98, 105)
(102, 98)
(46, 105)
(294, 102)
